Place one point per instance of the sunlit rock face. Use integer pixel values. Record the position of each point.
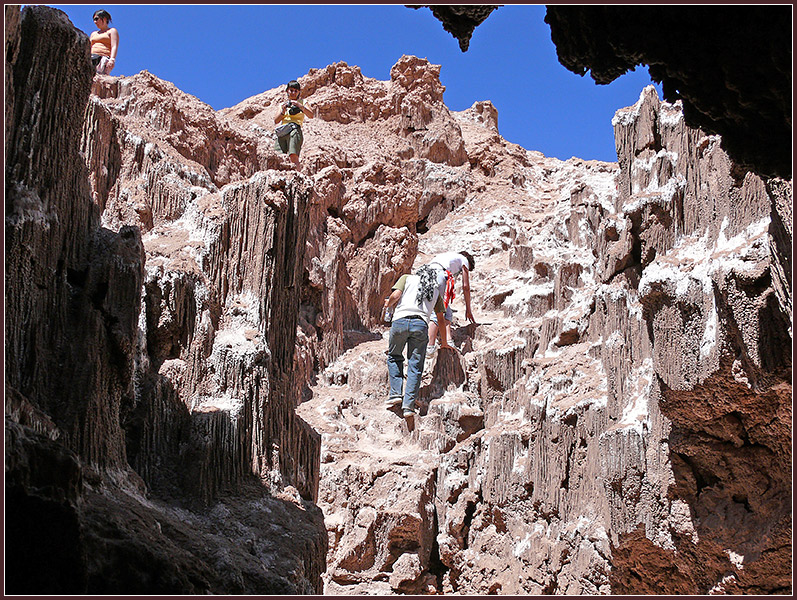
(597, 431)
(196, 363)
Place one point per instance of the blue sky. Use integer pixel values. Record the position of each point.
(223, 54)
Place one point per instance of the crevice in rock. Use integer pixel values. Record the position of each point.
(470, 512)
(421, 226)
(76, 278)
(703, 479)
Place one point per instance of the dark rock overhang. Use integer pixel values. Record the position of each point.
(731, 66)
(460, 20)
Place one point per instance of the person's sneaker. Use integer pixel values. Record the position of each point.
(409, 416)
(393, 402)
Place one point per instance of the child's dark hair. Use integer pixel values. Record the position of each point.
(471, 261)
(102, 14)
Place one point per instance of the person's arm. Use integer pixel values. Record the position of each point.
(307, 112)
(393, 299)
(281, 114)
(114, 47)
(398, 289)
(441, 318)
(466, 294)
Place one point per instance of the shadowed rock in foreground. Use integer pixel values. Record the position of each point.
(113, 483)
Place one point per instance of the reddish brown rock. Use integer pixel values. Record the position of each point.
(561, 466)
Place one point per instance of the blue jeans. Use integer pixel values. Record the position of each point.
(414, 334)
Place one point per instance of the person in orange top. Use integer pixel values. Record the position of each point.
(104, 43)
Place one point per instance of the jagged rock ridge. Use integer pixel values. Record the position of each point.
(597, 432)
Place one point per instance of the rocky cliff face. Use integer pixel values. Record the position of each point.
(151, 442)
(600, 430)
(196, 369)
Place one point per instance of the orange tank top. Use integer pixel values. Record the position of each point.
(101, 43)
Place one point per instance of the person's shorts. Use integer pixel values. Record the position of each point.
(290, 144)
(449, 314)
(100, 64)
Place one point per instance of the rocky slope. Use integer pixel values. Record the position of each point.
(601, 429)
(617, 422)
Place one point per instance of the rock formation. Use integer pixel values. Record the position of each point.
(149, 401)
(195, 367)
(460, 21)
(599, 430)
(731, 66)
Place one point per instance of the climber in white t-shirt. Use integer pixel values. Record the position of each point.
(448, 267)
